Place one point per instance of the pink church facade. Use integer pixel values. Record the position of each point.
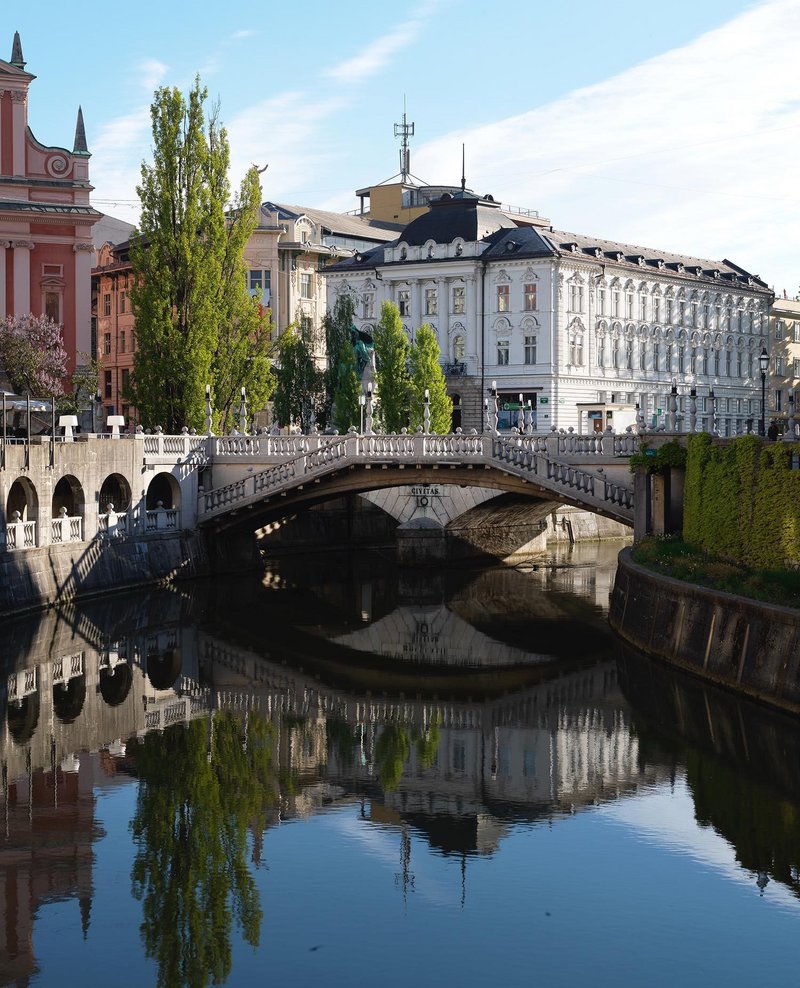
(46, 250)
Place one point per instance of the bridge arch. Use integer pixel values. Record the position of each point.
(68, 699)
(115, 490)
(163, 667)
(68, 494)
(115, 684)
(163, 489)
(22, 497)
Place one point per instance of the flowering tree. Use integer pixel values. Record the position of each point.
(33, 355)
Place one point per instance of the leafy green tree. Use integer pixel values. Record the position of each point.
(426, 373)
(300, 384)
(190, 828)
(195, 321)
(83, 385)
(393, 380)
(347, 410)
(391, 754)
(338, 344)
(33, 355)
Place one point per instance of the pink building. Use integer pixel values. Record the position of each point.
(46, 251)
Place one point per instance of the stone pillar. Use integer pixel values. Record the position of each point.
(443, 318)
(473, 334)
(416, 306)
(83, 297)
(22, 276)
(661, 503)
(4, 245)
(18, 114)
(642, 511)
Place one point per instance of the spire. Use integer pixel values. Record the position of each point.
(79, 147)
(16, 53)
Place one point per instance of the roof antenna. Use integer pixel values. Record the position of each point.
(463, 171)
(404, 131)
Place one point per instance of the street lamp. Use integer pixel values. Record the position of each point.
(362, 400)
(763, 363)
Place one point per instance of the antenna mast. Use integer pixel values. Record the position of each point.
(404, 131)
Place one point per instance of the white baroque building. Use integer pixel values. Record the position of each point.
(583, 329)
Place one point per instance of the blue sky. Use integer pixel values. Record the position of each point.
(667, 126)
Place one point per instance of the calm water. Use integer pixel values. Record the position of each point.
(346, 775)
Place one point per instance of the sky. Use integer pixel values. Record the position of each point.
(673, 126)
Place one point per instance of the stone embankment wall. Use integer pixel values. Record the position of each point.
(39, 577)
(749, 646)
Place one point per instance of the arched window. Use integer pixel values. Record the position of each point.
(458, 347)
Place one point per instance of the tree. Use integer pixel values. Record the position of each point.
(393, 380)
(346, 408)
(426, 373)
(300, 384)
(337, 325)
(195, 321)
(82, 385)
(32, 352)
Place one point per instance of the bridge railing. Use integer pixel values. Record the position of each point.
(66, 528)
(20, 535)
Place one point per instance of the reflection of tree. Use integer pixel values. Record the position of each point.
(190, 829)
(428, 742)
(763, 827)
(391, 753)
(340, 740)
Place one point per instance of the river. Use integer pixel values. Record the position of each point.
(345, 773)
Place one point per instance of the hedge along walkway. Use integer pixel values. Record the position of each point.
(742, 500)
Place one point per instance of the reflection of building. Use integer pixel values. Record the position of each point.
(45, 217)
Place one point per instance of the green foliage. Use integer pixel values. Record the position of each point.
(426, 373)
(428, 743)
(83, 386)
(391, 754)
(300, 384)
(393, 380)
(654, 460)
(742, 501)
(193, 810)
(195, 321)
(338, 348)
(347, 410)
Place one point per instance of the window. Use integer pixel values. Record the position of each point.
(615, 353)
(780, 365)
(107, 305)
(615, 303)
(503, 297)
(258, 283)
(728, 363)
(459, 756)
(107, 343)
(778, 329)
(576, 350)
(107, 383)
(777, 401)
(502, 353)
(642, 355)
(530, 349)
(643, 308)
(629, 354)
(305, 326)
(122, 341)
(458, 300)
(404, 301)
(576, 298)
(126, 381)
(306, 284)
(629, 305)
(123, 296)
(601, 301)
(656, 356)
(669, 310)
(52, 306)
(529, 290)
(458, 347)
(367, 305)
(431, 307)
(796, 367)
(796, 330)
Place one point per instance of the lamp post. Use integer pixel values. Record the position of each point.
(713, 399)
(426, 413)
(790, 424)
(243, 413)
(763, 363)
(693, 409)
(493, 408)
(362, 400)
(370, 410)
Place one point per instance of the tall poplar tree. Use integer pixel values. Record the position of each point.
(195, 321)
(392, 378)
(426, 372)
(338, 348)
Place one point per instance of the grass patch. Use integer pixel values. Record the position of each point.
(675, 558)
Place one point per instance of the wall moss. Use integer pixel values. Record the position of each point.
(742, 500)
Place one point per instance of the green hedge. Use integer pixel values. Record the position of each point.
(742, 500)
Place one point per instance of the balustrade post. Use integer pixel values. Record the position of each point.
(693, 410)
(673, 408)
(789, 435)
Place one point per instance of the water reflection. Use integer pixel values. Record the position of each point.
(492, 699)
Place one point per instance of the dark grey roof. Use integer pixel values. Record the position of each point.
(79, 144)
(23, 206)
(342, 224)
(453, 216)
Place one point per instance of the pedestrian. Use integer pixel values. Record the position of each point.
(772, 431)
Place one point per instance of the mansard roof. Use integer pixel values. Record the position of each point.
(342, 224)
(463, 215)
(649, 260)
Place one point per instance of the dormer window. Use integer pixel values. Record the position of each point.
(403, 253)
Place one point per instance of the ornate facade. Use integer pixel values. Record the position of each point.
(575, 325)
(46, 220)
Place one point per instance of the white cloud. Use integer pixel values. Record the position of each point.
(152, 73)
(693, 150)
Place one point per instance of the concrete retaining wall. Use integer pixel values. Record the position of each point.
(38, 577)
(747, 645)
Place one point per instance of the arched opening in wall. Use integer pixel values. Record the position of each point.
(115, 490)
(68, 699)
(163, 488)
(163, 667)
(22, 498)
(456, 417)
(23, 716)
(68, 494)
(115, 684)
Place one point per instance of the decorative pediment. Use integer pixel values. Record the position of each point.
(530, 275)
(502, 277)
